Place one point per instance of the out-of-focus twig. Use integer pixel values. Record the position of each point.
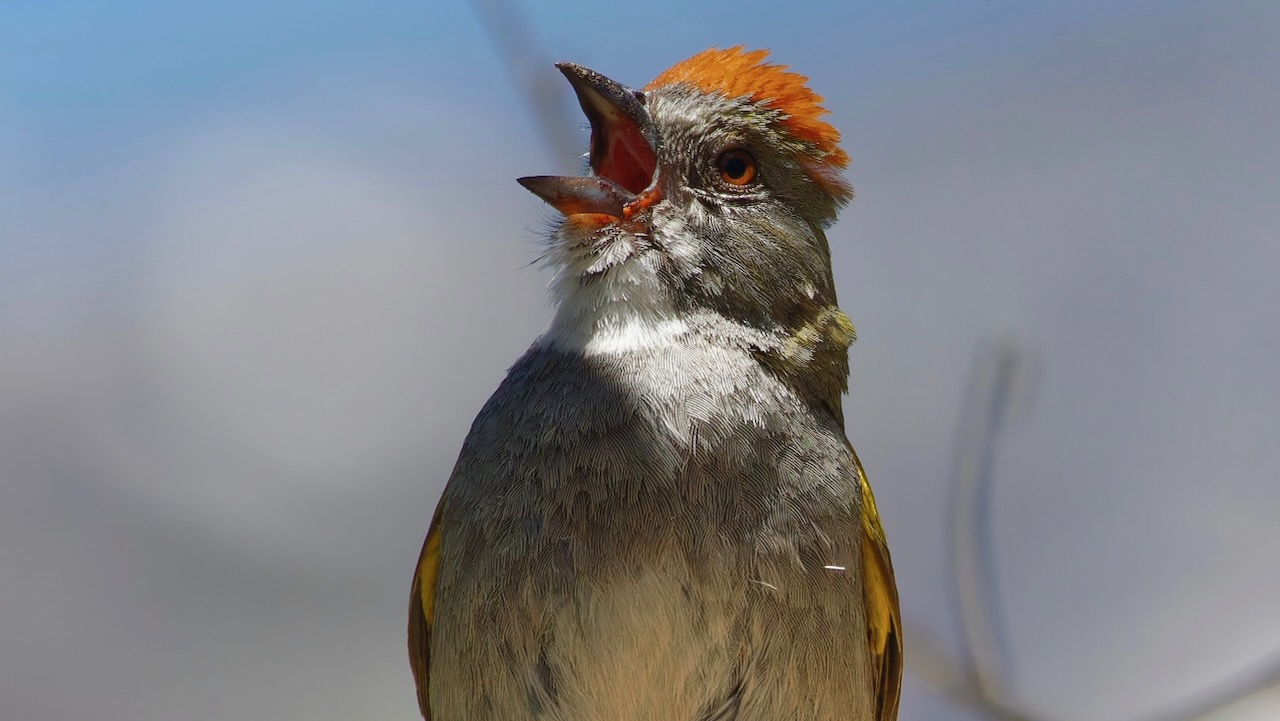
(980, 680)
(977, 588)
(530, 69)
(1256, 678)
(945, 676)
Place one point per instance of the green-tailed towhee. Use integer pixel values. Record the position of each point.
(657, 516)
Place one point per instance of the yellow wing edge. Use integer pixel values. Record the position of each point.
(884, 618)
(422, 610)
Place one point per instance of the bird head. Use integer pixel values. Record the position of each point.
(704, 207)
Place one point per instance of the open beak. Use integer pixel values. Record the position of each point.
(623, 152)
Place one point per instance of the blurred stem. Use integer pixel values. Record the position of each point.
(983, 636)
(530, 69)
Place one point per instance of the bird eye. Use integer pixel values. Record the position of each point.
(737, 167)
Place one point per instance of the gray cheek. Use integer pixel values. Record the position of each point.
(677, 234)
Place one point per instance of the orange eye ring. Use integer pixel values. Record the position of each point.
(737, 167)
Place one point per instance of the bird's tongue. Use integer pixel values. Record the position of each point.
(623, 159)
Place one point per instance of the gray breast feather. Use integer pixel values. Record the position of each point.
(667, 536)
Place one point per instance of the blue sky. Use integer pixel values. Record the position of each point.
(92, 92)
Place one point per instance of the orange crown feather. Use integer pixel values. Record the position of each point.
(738, 73)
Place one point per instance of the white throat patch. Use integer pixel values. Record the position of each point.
(621, 309)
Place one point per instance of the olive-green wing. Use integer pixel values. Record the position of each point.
(884, 619)
(422, 608)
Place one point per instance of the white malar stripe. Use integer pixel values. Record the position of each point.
(611, 301)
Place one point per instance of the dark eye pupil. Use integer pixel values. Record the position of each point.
(735, 167)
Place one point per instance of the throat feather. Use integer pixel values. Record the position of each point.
(621, 310)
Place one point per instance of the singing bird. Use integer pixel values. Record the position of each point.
(658, 516)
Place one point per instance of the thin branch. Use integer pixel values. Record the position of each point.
(1250, 681)
(529, 66)
(984, 638)
(947, 677)
(979, 680)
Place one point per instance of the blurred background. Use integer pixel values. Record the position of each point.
(261, 263)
